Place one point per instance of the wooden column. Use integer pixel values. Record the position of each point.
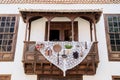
(49, 20)
(72, 17)
(26, 31)
(29, 28)
(48, 35)
(91, 36)
(72, 30)
(95, 31)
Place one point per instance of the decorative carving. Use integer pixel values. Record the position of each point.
(92, 16)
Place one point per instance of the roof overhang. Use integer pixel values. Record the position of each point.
(88, 14)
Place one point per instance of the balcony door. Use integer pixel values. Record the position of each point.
(62, 31)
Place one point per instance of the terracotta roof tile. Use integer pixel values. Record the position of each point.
(59, 1)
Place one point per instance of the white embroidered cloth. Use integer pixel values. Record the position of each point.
(68, 62)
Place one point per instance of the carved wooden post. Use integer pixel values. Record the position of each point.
(26, 31)
(73, 30)
(72, 17)
(49, 20)
(48, 35)
(29, 24)
(91, 36)
(26, 38)
(95, 31)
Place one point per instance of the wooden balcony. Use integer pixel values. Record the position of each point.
(35, 63)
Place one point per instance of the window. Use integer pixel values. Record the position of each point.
(115, 77)
(112, 23)
(5, 77)
(62, 31)
(8, 34)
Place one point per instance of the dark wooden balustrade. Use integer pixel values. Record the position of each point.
(35, 63)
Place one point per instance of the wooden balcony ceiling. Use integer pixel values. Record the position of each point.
(88, 14)
(59, 1)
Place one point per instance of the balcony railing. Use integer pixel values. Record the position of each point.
(35, 63)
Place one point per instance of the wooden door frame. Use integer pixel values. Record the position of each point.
(59, 28)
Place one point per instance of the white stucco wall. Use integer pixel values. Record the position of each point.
(38, 28)
(105, 68)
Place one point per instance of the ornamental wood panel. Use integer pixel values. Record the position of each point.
(5, 77)
(115, 77)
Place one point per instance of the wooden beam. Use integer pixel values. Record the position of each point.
(90, 15)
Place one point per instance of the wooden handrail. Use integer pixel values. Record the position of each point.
(28, 44)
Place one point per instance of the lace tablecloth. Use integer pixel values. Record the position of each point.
(67, 58)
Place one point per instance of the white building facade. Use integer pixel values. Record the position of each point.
(108, 41)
